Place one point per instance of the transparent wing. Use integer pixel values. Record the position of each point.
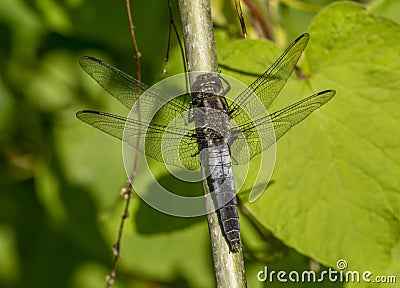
(174, 144)
(258, 135)
(124, 88)
(268, 85)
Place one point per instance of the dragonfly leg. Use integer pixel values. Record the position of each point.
(228, 87)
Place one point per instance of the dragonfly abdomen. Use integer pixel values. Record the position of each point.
(218, 167)
(229, 217)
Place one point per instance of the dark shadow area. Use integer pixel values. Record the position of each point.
(150, 221)
(49, 252)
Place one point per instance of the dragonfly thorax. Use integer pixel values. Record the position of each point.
(213, 126)
(210, 111)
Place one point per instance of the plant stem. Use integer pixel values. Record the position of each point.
(201, 55)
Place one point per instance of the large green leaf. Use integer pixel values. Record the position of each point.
(386, 8)
(337, 176)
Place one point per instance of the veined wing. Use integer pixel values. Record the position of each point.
(267, 86)
(258, 135)
(124, 88)
(172, 144)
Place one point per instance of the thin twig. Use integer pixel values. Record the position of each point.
(135, 46)
(172, 24)
(241, 19)
(260, 19)
(110, 278)
(127, 191)
(166, 58)
(198, 34)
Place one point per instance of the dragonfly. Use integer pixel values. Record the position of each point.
(220, 129)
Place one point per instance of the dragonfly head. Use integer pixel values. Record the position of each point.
(207, 83)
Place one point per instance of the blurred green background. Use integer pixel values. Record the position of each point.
(60, 179)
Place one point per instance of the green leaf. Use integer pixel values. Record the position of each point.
(164, 256)
(336, 180)
(386, 8)
(155, 245)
